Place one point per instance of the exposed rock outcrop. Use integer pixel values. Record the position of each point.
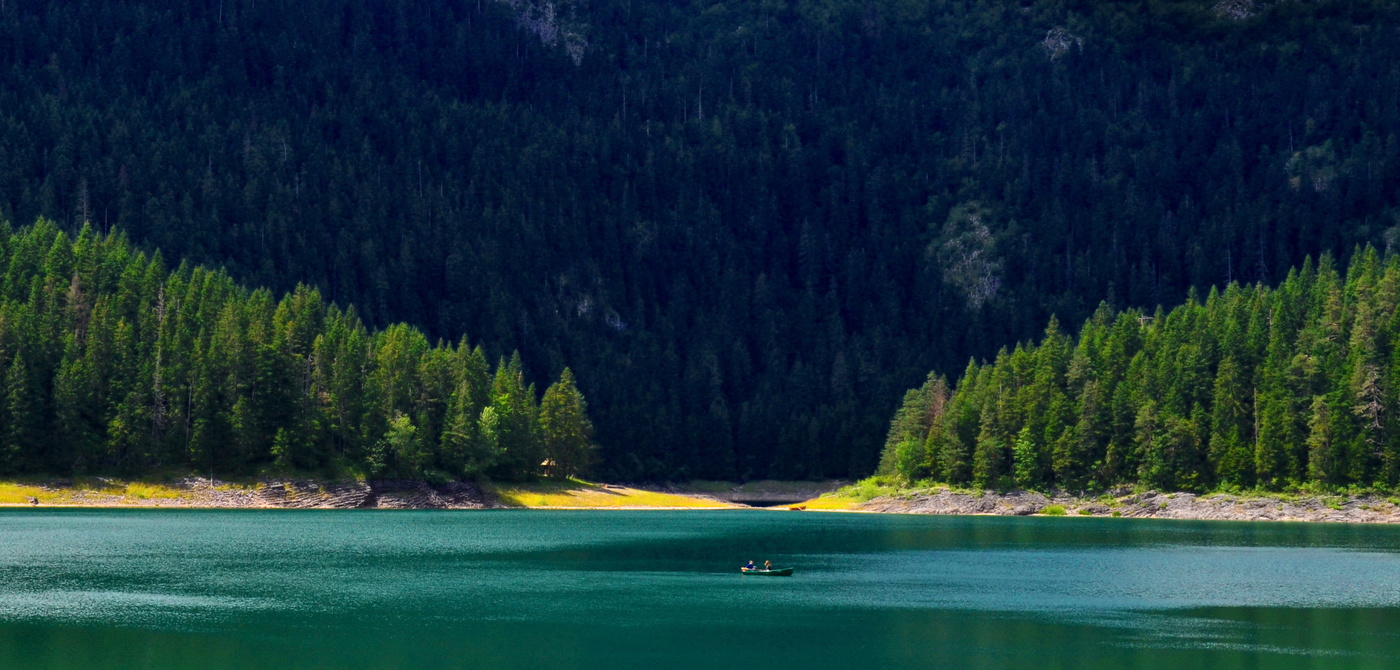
(1151, 504)
(415, 494)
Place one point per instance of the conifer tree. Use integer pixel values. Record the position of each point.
(516, 434)
(565, 427)
(1026, 461)
(1231, 446)
(21, 432)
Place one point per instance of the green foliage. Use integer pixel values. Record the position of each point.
(139, 369)
(1253, 387)
(402, 447)
(1027, 461)
(565, 427)
(748, 225)
(1054, 510)
(515, 428)
(868, 489)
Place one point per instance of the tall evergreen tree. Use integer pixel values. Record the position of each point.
(565, 427)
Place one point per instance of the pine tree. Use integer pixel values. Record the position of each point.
(1157, 453)
(904, 445)
(21, 423)
(1231, 447)
(517, 424)
(78, 440)
(1324, 448)
(1273, 459)
(1025, 460)
(988, 457)
(565, 427)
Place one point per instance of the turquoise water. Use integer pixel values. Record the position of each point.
(589, 589)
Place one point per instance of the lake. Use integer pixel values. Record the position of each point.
(128, 588)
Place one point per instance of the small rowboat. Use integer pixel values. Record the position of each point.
(775, 572)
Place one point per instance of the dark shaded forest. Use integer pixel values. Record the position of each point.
(748, 226)
(112, 363)
(1255, 387)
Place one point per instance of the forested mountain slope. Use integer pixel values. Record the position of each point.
(748, 225)
(1254, 386)
(112, 363)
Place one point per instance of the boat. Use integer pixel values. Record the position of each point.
(775, 572)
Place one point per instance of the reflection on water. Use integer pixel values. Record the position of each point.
(211, 589)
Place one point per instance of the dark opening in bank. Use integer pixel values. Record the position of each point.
(767, 503)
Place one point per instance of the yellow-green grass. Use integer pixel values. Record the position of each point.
(83, 491)
(13, 493)
(830, 501)
(129, 491)
(575, 493)
(145, 491)
(852, 496)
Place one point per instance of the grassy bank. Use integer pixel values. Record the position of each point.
(579, 494)
(182, 489)
(852, 496)
(195, 492)
(95, 491)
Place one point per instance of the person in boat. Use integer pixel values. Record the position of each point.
(751, 566)
(768, 566)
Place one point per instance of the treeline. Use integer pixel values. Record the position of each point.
(110, 362)
(1254, 387)
(744, 224)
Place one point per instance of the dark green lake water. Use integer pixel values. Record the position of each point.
(537, 589)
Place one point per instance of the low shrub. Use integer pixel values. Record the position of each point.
(1053, 510)
(868, 489)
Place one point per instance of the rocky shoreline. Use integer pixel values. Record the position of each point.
(1148, 505)
(285, 493)
(195, 492)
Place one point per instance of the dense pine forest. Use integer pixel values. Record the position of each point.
(1254, 387)
(747, 225)
(113, 363)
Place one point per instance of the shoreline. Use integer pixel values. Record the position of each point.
(192, 492)
(203, 493)
(1368, 508)
(200, 493)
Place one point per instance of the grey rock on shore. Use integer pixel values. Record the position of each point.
(1151, 504)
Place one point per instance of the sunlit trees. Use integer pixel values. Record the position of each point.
(113, 364)
(1255, 386)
